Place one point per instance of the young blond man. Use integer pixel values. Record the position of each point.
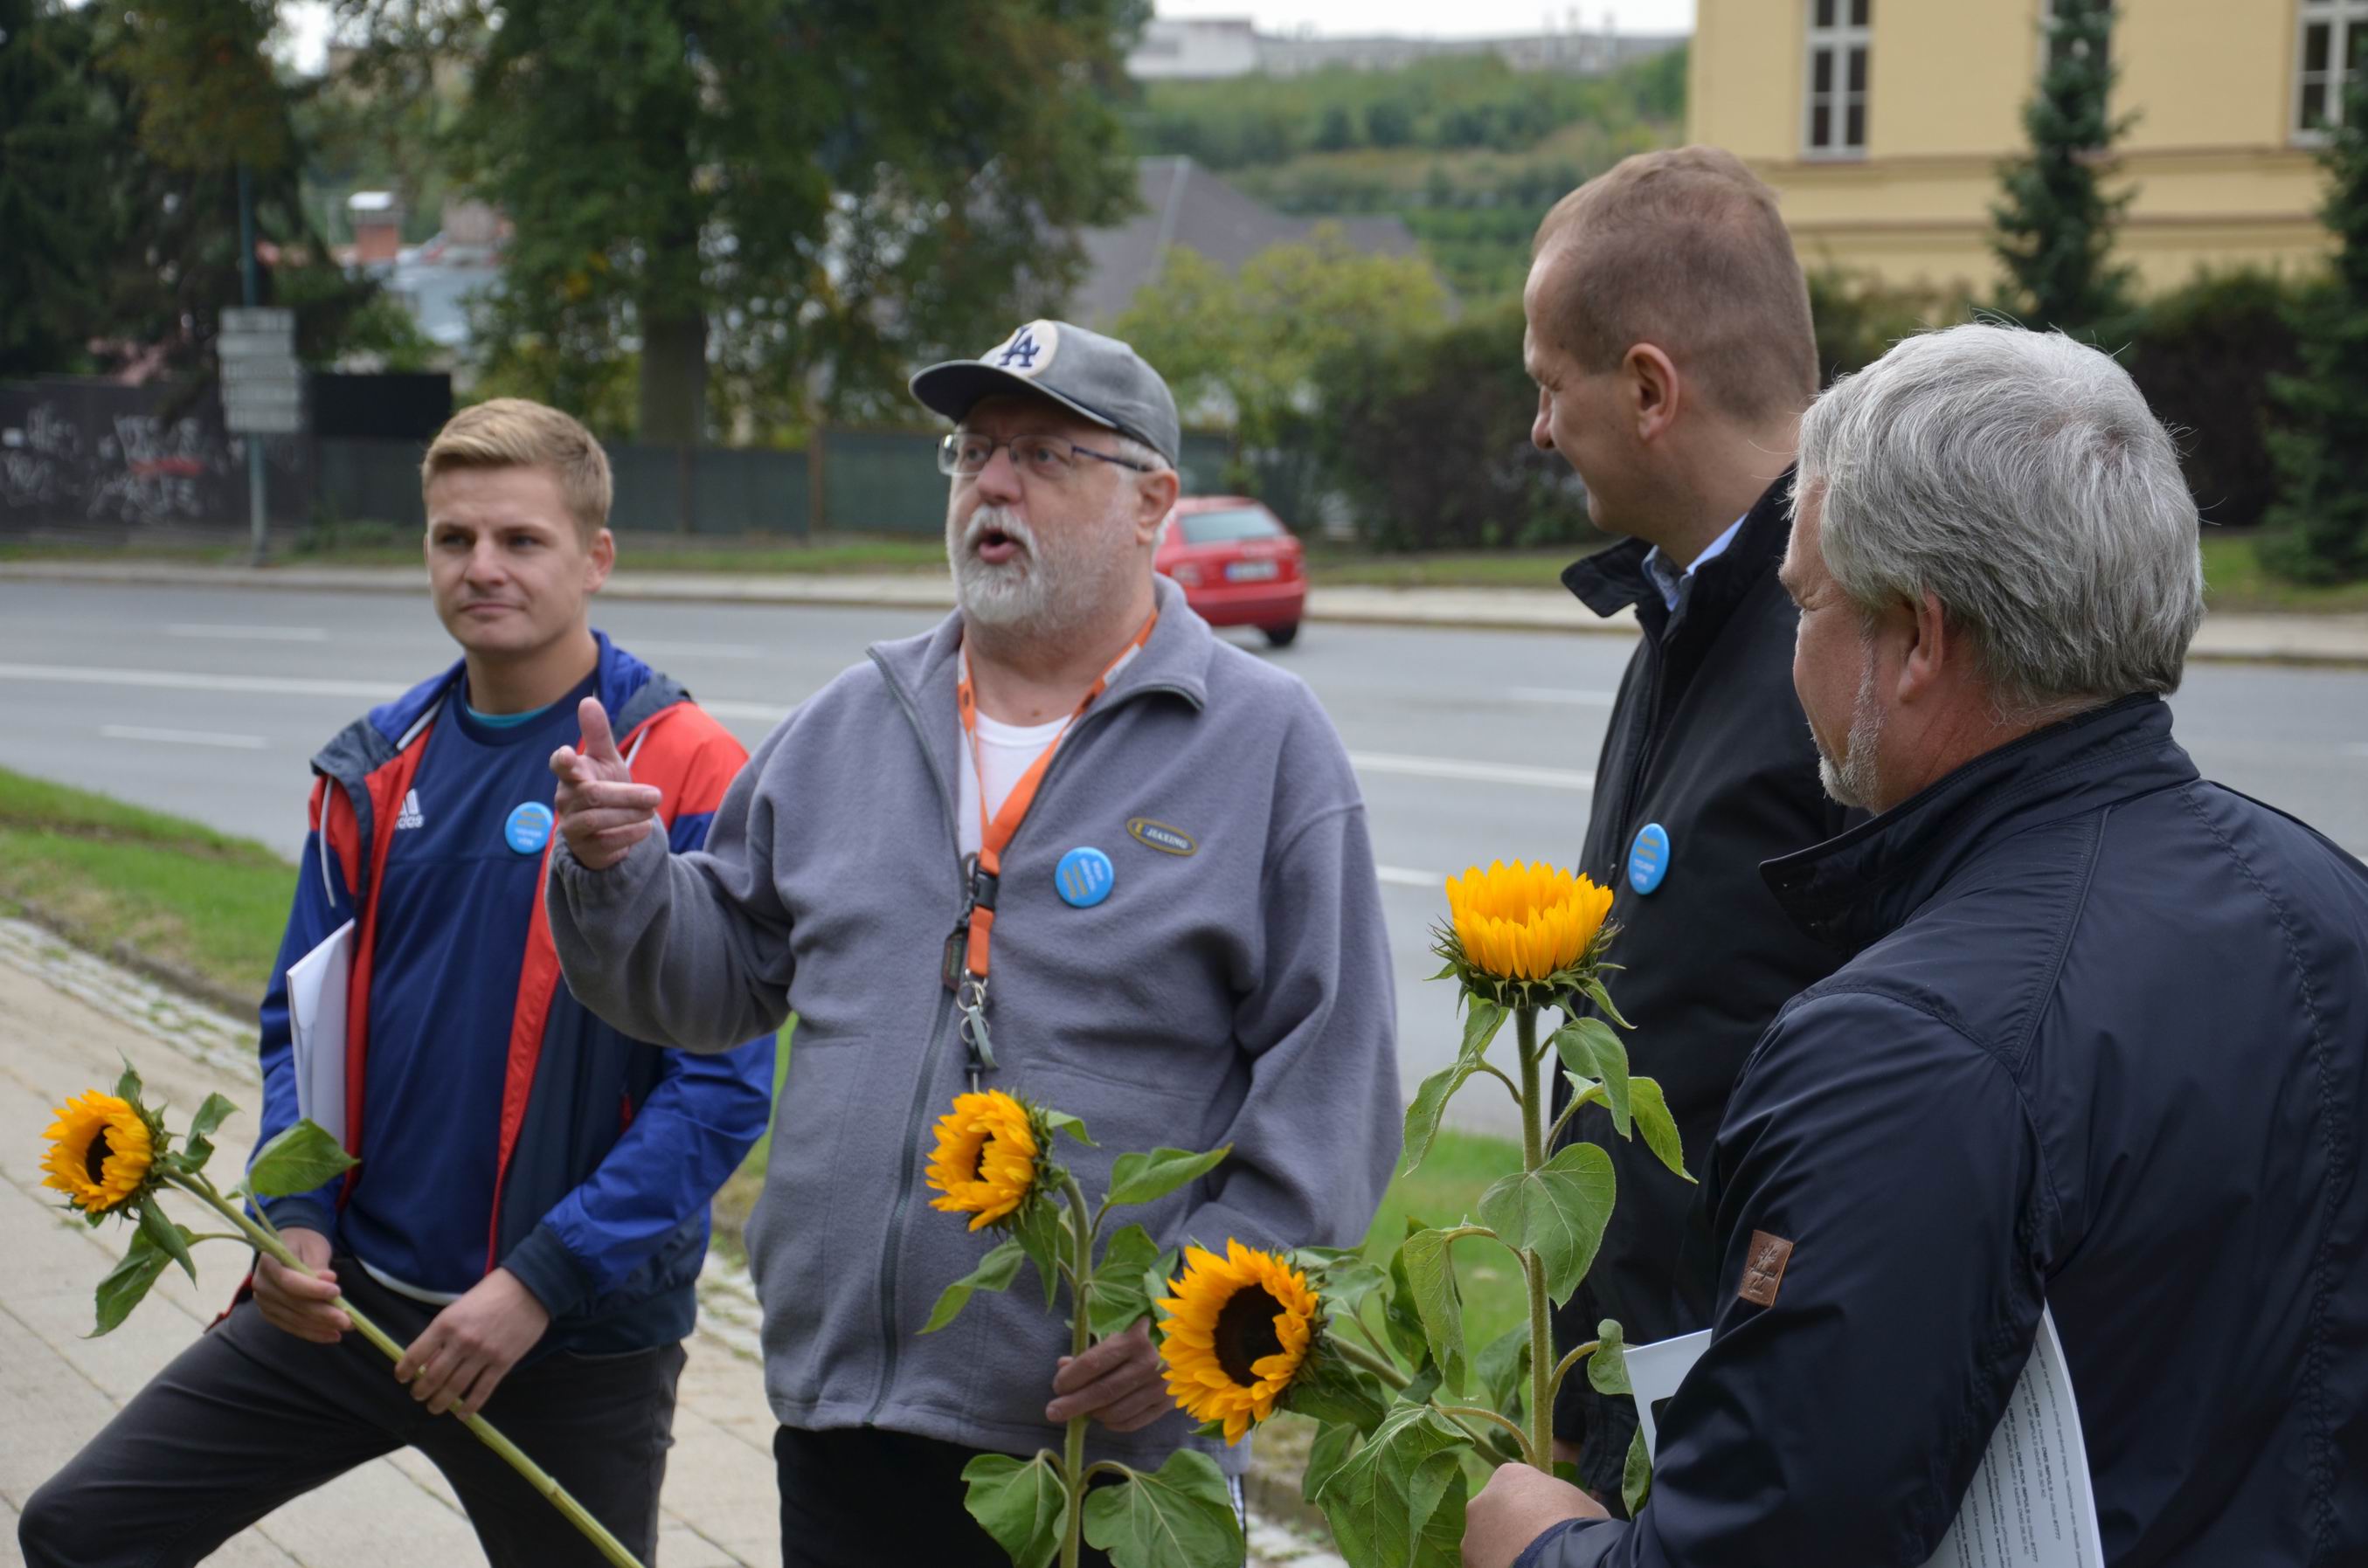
(530, 1209)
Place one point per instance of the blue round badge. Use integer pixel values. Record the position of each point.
(529, 828)
(1648, 858)
(1084, 878)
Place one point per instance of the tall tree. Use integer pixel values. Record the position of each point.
(2321, 521)
(791, 202)
(2056, 226)
(54, 132)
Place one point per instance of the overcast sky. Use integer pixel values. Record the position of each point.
(1430, 19)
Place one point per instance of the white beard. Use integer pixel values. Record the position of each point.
(1852, 781)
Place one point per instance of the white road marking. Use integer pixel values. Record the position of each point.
(183, 737)
(724, 708)
(185, 680)
(1561, 694)
(1399, 877)
(250, 633)
(1471, 772)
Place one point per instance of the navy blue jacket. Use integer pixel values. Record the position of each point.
(2104, 1047)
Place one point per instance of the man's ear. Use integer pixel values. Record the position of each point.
(1155, 497)
(1930, 646)
(1654, 393)
(602, 560)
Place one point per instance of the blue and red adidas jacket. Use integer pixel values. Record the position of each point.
(611, 1149)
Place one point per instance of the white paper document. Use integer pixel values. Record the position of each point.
(2030, 1505)
(316, 1019)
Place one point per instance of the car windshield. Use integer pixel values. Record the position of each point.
(1222, 527)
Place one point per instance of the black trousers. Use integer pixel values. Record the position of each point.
(248, 1417)
(861, 1497)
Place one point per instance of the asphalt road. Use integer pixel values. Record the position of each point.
(1470, 744)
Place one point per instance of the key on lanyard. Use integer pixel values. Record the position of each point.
(970, 990)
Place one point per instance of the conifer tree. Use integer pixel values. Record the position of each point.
(2056, 226)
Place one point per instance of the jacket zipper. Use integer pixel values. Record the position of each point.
(918, 1116)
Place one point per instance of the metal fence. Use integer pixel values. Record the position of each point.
(97, 460)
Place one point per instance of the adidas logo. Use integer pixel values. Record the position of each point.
(409, 816)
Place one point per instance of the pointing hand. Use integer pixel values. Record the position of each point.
(600, 811)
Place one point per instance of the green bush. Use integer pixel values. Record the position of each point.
(2206, 357)
(1858, 318)
(1429, 438)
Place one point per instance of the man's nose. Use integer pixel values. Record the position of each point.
(998, 482)
(1541, 428)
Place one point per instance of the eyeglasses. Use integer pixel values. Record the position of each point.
(965, 456)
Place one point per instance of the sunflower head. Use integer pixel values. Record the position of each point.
(1524, 931)
(103, 1150)
(989, 1160)
(1239, 1331)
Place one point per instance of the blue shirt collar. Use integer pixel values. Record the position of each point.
(1668, 580)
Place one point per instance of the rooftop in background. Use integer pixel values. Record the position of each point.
(1205, 49)
(1184, 204)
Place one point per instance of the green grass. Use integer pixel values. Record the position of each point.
(2235, 580)
(180, 893)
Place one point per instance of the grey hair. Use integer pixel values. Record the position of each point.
(1133, 451)
(2020, 478)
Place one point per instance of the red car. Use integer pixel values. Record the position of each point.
(1236, 563)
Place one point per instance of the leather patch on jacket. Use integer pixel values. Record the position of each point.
(1763, 1268)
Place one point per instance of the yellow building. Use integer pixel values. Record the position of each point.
(1882, 124)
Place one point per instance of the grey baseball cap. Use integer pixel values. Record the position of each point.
(1097, 377)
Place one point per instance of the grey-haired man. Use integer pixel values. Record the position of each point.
(1186, 950)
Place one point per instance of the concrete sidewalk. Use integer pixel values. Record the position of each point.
(2339, 640)
(67, 1022)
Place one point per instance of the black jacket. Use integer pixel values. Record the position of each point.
(1706, 740)
(2103, 1047)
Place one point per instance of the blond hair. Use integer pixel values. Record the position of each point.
(1683, 249)
(515, 432)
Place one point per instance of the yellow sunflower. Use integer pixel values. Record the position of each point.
(100, 1149)
(1525, 922)
(986, 1159)
(1238, 1332)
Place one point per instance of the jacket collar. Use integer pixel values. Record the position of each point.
(1612, 580)
(1852, 891)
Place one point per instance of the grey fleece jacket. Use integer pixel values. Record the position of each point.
(1238, 991)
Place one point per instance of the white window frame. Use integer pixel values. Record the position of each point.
(2341, 18)
(1837, 41)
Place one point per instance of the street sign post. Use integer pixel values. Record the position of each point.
(262, 390)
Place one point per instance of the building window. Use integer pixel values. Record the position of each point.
(1838, 32)
(2334, 48)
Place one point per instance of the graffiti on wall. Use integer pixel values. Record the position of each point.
(84, 453)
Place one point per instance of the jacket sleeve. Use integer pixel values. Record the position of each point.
(322, 903)
(1843, 1421)
(691, 952)
(688, 1136)
(1317, 1134)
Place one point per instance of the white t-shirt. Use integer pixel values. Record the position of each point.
(1005, 750)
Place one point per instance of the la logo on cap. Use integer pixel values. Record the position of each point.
(1026, 353)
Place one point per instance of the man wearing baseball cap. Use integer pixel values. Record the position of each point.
(1152, 842)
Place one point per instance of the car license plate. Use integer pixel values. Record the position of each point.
(1250, 570)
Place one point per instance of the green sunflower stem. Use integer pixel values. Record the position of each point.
(260, 1234)
(1081, 1289)
(1534, 1154)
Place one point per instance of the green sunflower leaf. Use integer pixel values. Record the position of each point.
(1480, 1025)
(128, 1086)
(1429, 1102)
(1336, 1392)
(1399, 1498)
(1557, 1210)
(127, 1285)
(1330, 1451)
(1181, 1516)
(1119, 1298)
(1503, 1368)
(1590, 1048)
(1041, 1235)
(1607, 1369)
(1636, 1475)
(1659, 1127)
(1602, 1000)
(197, 1148)
(172, 1239)
(1431, 1277)
(1021, 1502)
(1345, 1276)
(297, 1160)
(1061, 1122)
(995, 1271)
(1145, 1179)
(1399, 1316)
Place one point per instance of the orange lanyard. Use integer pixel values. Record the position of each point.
(973, 935)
